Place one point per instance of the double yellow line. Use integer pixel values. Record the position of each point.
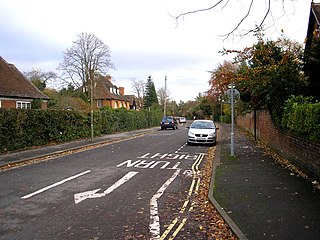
(194, 187)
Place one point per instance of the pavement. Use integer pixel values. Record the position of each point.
(257, 197)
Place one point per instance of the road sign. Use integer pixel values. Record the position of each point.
(236, 95)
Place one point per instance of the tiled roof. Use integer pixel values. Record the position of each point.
(131, 98)
(316, 11)
(103, 87)
(14, 84)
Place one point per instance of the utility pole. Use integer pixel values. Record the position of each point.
(165, 97)
(91, 101)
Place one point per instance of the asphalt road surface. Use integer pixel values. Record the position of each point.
(139, 188)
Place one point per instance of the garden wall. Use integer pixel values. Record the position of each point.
(298, 151)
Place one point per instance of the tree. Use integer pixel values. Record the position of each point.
(163, 96)
(172, 108)
(138, 89)
(270, 72)
(224, 74)
(182, 108)
(150, 98)
(251, 7)
(39, 78)
(87, 54)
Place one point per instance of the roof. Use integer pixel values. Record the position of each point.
(103, 87)
(315, 8)
(14, 84)
(313, 24)
(131, 98)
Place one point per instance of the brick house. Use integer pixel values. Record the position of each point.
(105, 93)
(313, 31)
(15, 90)
(312, 51)
(133, 102)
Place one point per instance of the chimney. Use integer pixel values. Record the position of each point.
(108, 77)
(121, 90)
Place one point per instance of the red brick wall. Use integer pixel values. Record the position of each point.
(8, 104)
(301, 153)
(13, 104)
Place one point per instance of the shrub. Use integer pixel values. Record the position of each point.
(24, 128)
(302, 117)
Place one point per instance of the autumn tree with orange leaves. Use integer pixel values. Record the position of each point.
(266, 74)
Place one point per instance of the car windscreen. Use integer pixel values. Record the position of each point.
(202, 125)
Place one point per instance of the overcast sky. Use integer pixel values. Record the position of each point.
(143, 36)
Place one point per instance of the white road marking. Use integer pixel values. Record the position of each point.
(79, 197)
(154, 226)
(54, 185)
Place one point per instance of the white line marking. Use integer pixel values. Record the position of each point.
(79, 197)
(154, 226)
(54, 185)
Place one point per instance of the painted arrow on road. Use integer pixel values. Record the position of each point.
(79, 197)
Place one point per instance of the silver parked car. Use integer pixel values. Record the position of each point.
(182, 120)
(202, 132)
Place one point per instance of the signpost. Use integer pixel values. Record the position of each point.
(232, 94)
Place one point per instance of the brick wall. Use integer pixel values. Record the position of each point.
(301, 153)
(13, 104)
(8, 103)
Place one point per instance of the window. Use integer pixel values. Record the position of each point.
(99, 103)
(23, 105)
(0, 103)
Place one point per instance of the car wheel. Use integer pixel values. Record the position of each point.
(189, 143)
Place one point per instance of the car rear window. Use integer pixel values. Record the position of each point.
(167, 119)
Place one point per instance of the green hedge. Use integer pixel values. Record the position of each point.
(225, 118)
(302, 117)
(20, 129)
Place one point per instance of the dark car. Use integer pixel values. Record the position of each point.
(169, 122)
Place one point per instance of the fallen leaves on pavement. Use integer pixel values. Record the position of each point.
(209, 219)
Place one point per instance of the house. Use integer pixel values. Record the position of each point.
(312, 52)
(133, 102)
(105, 93)
(15, 90)
(313, 31)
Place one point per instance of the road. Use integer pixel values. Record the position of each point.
(139, 188)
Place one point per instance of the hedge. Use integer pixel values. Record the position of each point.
(25, 128)
(302, 118)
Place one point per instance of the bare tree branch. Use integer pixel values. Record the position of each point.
(199, 10)
(241, 21)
